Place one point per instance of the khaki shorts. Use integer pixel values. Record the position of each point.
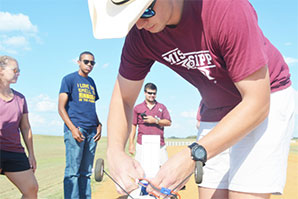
(258, 162)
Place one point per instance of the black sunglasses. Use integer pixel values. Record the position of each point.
(88, 61)
(151, 93)
(149, 12)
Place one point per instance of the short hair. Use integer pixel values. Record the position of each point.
(4, 59)
(150, 86)
(86, 53)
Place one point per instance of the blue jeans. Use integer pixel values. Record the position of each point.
(79, 162)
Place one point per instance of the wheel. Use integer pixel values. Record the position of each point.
(199, 172)
(98, 171)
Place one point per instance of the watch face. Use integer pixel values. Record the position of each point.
(200, 153)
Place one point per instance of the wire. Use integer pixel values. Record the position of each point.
(182, 181)
(164, 191)
(118, 184)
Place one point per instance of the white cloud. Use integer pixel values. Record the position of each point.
(16, 33)
(45, 123)
(106, 65)
(189, 114)
(43, 115)
(4, 49)
(58, 122)
(36, 119)
(43, 103)
(16, 41)
(288, 44)
(46, 105)
(75, 60)
(18, 22)
(291, 60)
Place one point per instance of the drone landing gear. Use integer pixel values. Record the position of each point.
(99, 169)
(198, 172)
(99, 172)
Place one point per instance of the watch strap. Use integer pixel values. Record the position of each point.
(193, 147)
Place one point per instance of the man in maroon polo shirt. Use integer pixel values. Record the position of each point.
(247, 110)
(151, 117)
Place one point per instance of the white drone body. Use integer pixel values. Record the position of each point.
(150, 161)
(137, 194)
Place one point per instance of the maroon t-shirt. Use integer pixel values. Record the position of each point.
(11, 113)
(158, 111)
(215, 44)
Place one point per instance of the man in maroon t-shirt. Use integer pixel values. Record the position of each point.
(151, 117)
(247, 108)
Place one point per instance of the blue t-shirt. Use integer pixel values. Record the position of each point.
(82, 95)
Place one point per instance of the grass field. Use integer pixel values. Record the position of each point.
(50, 155)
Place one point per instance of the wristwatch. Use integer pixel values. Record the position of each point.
(157, 120)
(198, 152)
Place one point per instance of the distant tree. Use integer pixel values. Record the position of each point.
(173, 137)
(192, 137)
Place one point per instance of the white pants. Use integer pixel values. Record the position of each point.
(163, 154)
(258, 162)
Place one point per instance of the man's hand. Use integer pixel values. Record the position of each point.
(125, 171)
(77, 135)
(98, 134)
(149, 119)
(174, 171)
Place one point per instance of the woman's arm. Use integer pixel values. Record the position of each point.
(28, 139)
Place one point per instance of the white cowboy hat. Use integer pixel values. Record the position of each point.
(114, 18)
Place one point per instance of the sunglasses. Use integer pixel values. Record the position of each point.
(15, 70)
(88, 61)
(151, 93)
(149, 12)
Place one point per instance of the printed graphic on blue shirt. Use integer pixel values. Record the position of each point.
(86, 93)
(82, 95)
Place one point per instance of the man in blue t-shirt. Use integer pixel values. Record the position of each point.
(82, 128)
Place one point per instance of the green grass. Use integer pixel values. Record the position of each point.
(50, 156)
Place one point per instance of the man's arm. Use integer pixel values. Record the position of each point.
(99, 126)
(131, 143)
(123, 168)
(250, 112)
(164, 122)
(123, 99)
(161, 122)
(98, 130)
(63, 98)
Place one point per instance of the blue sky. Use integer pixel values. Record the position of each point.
(47, 36)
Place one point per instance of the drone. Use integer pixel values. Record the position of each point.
(143, 183)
